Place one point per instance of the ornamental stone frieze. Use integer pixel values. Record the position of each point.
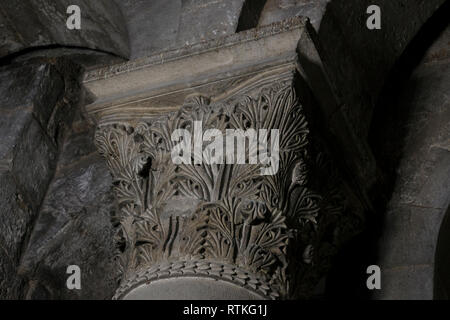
(197, 216)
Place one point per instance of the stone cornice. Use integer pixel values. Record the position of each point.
(217, 68)
(297, 23)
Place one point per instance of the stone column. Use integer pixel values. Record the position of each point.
(262, 223)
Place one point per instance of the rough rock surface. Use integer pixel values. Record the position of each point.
(74, 226)
(28, 103)
(102, 26)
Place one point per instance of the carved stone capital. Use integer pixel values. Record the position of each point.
(270, 232)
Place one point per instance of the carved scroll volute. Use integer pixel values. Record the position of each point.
(264, 232)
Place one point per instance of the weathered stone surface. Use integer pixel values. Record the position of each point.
(406, 283)
(11, 128)
(202, 20)
(73, 227)
(20, 84)
(15, 217)
(30, 98)
(10, 284)
(34, 163)
(78, 145)
(410, 236)
(423, 181)
(29, 93)
(152, 25)
(421, 139)
(156, 26)
(26, 160)
(25, 91)
(102, 26)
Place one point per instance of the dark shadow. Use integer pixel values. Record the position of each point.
(442, 261)
(250, 14)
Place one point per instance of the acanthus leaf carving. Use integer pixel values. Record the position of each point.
(225, 214)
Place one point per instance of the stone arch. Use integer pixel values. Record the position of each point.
(409, 136)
